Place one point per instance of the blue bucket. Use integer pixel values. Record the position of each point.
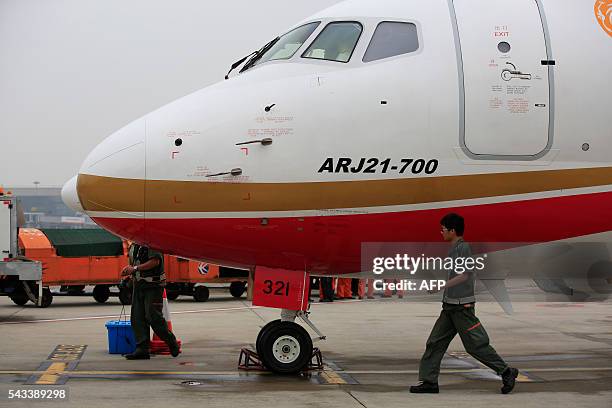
(120, 337)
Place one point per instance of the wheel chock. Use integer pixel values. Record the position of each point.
(250, 360)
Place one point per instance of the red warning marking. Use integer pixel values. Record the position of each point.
(174, 154)
(246, 150)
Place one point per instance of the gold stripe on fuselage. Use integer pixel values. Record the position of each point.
(99, 193)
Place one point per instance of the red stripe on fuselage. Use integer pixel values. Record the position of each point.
(332, 244)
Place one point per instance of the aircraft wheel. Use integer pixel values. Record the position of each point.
(286, 348)
(19, 299)
(47, 298)
(101, 293)
(237, 289)
(201, 293)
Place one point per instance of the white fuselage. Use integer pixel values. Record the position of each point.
(497, 131)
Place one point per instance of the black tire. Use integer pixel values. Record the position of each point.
(286, 348)
(19, 299)
(125, 296)
(262, 332)
(237, 289)
(47, 298)
(200, 294)
(172, 294)
(101, 293)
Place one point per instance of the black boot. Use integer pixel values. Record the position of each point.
(138, 355)
(175, 349)
(509, 378)
(425, 387)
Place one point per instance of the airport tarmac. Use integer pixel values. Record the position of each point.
(371, 355)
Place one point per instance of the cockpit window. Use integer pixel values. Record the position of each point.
(336, 42)
(288, 44)
(391, 39)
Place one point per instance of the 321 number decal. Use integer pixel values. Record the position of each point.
(279, 288)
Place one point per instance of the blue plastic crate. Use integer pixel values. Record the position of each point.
(120, 337)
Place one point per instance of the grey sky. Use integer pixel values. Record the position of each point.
(74, 71)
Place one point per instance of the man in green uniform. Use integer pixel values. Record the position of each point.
(458, 316)
(147, 274)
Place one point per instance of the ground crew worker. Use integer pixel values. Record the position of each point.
(149, 279)
(343, 288)
(369, 293)
(355, 288)
(326, 289)
(361, 288)
(458, 316)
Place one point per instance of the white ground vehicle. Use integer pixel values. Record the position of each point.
(20, 279)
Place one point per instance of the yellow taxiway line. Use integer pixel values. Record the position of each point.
(51, 375)
(221, 373)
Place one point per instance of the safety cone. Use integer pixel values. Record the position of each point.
(158, 346)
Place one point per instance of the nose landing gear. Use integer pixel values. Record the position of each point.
(284, 347)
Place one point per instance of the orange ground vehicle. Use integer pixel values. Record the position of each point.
(74, 259)
(183, 275)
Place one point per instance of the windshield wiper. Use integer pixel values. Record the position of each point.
(237, 63)
(254, 57)
(259, 54)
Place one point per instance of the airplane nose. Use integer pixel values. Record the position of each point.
(111, 182)
(70, 196)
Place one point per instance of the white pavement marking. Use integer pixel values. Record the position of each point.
(68, 319)
(227, 309)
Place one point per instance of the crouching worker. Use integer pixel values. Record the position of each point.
(458, 316)
(147, 274)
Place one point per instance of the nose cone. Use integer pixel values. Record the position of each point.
(70, 196)
(111, 182)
